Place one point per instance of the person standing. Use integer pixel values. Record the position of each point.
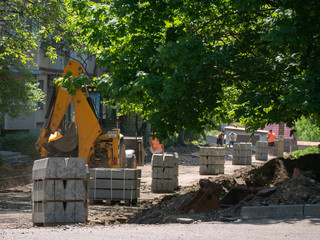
(271, 139)
(220, 139)
(232, 138)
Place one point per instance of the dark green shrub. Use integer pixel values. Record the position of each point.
(310, 150)
(20, 142)
(1, 161)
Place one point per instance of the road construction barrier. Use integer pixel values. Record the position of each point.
(262, 151)
(115, 185)
(242, 154)
(212, 160)
(165, 172)
(59, 191)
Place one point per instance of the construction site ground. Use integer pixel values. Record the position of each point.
(153, 208)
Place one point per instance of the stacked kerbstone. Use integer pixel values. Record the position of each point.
(242, 154)
(212, 160)
(287, 145)
(59, 191)
(165, 171)
(115, 184)
(262, 150)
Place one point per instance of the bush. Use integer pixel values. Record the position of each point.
(20, 142)
(310, 150)
(1, 161)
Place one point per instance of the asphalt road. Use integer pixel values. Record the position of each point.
(288, 229)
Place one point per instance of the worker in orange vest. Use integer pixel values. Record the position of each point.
(271, 139)
(155, 145)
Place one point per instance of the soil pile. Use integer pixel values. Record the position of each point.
(274, 177)
(15, 175)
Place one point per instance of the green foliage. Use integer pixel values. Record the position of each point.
(310, 150)
(199, 142)
(20, 142)
(191, 64)
(23, 25)
(307, 129)
(18, 94)
(2, 161)
(212, 132)
(72, 83)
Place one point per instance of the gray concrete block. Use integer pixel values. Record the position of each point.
(115, 183)
(80, 212)
(70, 192)
(75, 167)
(52, 167)
(211, 160)
(274, 211)
(163, 172)
(212, 151)
(114, 194)
(157, 160)
(211, 169)
(59, 190)
(112, 173)
(81, 190)
(170, 160)
(43, 212)
(312, 210)
(163, 185)
(43, 190)
(165, 160)
(70, 212)
(59, 212)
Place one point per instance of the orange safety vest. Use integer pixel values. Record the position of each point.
(155, 146)
(271, 137)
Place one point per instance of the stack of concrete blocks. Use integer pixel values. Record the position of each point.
(212, 160)
(115, 184)
(287, 145)
(165, 172)
(59, 191)
(242, 154)
(262, 150)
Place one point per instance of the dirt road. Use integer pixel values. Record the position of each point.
(16, 207)
(284, 229)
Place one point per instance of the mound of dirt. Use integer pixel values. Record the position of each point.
(15, 175)
(279, 169)
(275, 173)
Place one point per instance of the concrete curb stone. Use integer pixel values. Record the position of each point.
(278, 211)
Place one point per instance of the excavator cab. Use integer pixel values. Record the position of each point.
(72, 129)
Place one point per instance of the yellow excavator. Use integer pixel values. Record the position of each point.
(71, 129)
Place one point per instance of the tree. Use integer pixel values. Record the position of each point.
(25, 27)
(307, 130)
(183, 63)
(18, 93)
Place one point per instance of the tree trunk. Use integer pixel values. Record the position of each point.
(280, 140)
(181, 137)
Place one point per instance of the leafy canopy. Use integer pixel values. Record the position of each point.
(187, 64)
(24, 25)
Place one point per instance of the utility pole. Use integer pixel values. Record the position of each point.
(281, 140)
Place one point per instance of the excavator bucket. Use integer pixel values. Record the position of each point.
(206, 199)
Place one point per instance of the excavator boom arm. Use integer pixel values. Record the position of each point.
(87, 123)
